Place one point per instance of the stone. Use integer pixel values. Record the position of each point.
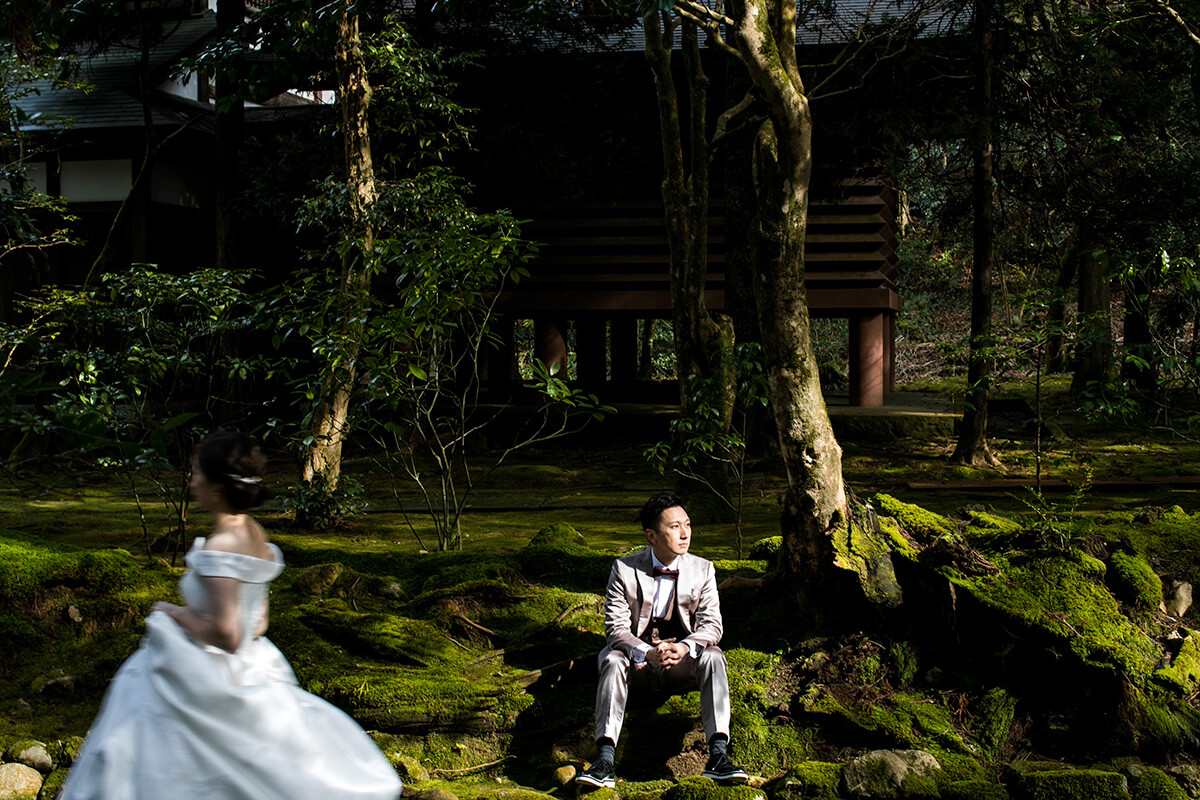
(31, 754)
(73, 614)
(318, 579)
(1090, 783)
(564, 775)
(1178, 598)
(1188, 776)
(885, 774)
(19, 782)
(55, 683)
(434, 794)
(410, 770)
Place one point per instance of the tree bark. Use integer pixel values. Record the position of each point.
(1139, 340)
(1094, 349)
(702, 338)
(816, 498)
(328, 425)
(1056, 314)
(972, 437)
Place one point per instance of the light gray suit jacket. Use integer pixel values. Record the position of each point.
(629, 600)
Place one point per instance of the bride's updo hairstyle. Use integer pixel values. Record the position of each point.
(233, 461)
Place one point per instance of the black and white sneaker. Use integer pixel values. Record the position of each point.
(722, 770)
(599, 774)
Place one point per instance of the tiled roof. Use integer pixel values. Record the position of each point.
(113, 101)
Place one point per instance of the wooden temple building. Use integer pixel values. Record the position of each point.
(603, 261)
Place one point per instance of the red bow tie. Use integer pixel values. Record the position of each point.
(670, 573)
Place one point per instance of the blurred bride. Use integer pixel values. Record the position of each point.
(208, 707)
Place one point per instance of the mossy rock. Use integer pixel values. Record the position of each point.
(697, 788)
(923, 525)
(810, 780)
(1151, 783)
(769, 748)
(1134, 581)
(994, 720)
(992, 523)
(644, 790)
(974, 790)
(767, 549)
(1183, 675)
(318, 580)
(52, 785)
(1072, 784)
(868, 554)
(65, 750)
(883, 774)
(558, 535)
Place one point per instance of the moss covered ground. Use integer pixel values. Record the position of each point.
(1027, 628)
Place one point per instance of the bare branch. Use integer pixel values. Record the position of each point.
(1183, 23)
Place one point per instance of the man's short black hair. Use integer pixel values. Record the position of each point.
(655, 506)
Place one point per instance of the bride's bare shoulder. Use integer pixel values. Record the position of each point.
(244, 538)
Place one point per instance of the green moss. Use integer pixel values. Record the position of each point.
(868, 555)
(1061, 596)
(760, 745)
(557, 535)
(992, 522)
(905, 660)
(52, 784)
(1183, 675)
(1134, 581)
(974, 790)
(909, 720)
(767, 548)
(1075, 784)
(1150, 783)
(994, 721)
(694, 788)
(923, 525)
(809, 780)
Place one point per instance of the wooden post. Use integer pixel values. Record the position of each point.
(867, 380)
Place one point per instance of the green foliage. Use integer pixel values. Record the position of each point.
(705, 437)
(1061, 527)
(319, 507)
(118, 368)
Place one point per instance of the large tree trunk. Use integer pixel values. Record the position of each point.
(1094, 348)
(702, 339)
(816, 499)
(328, 426)
(972, 437)
(1056, 314)
(1141, 369)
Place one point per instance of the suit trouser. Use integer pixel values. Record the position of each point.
(618, 673)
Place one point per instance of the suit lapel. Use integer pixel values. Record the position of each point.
(644, 569)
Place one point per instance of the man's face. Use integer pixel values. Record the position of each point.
(672, 535)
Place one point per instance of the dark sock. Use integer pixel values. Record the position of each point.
(608, 749)
(717, 744)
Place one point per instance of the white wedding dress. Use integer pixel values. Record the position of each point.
(184, 721)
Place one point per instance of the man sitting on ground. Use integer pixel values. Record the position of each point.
(662, 617)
